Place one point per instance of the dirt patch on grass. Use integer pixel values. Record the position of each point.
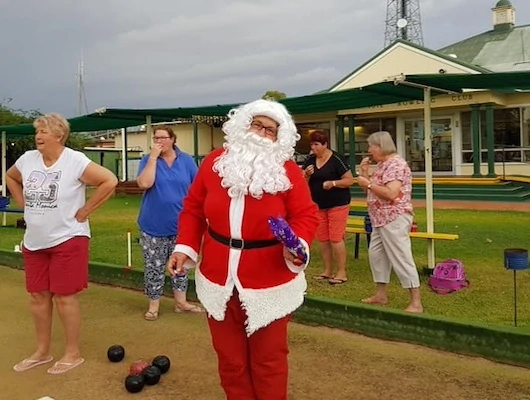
(324, 363)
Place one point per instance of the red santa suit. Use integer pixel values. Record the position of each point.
(269, 287)
(259, 286)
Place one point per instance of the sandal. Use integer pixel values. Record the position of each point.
(322, 277)
(191, 310)
(151, 315)
(60, 367)
(27, 363)
(336, 281)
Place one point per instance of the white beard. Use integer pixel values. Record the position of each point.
(253, 165)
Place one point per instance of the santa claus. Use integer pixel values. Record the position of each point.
(248, 282)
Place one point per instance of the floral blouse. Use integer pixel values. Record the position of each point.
(382, 211)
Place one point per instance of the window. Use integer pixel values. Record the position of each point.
(363, 129)
(525, 122)
(303, 146)
(511, 141)
(465, 121)
(507, 128)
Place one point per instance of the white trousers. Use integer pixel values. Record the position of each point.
(390, 247)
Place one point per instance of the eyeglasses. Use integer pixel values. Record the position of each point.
(160, 138)
(258, 126)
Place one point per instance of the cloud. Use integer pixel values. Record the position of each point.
(180, 53)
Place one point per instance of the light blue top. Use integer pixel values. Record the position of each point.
(162, 203)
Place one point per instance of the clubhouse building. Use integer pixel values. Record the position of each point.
(460, 122)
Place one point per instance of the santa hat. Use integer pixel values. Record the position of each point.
(244, 114)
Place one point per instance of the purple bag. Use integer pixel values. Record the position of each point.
(448, 276)
(284, 233)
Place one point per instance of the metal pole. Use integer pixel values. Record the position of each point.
(475, 129)
(351, 143)
(129, 249)
(4, 172)
(124, 155)
(514, 298)
(148, 133)
(428, 175)
(339, 133)
(196, 141)
(503, 163)
(404, 15)
(490, 140)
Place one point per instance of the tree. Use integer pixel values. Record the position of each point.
(9, 116)
(16, 146)
(273, 95)
(19, 145)
(78, 141)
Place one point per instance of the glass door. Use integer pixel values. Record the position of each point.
(442, 148)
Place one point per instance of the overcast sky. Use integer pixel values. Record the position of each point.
(171, 53)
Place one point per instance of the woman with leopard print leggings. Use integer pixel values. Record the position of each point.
(165, 174)
(156, 251)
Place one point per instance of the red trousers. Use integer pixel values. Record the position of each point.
(255, 367)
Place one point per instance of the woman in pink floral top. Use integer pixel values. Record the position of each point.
(390, 208)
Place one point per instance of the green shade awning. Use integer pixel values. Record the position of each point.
(501, 81)
(403, 88)
(87, 123)
(114, 118)
(311, 104)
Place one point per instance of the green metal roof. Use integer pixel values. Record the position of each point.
(498, 50)
(406, 87)
(502, 3)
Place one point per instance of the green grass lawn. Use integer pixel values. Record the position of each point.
(483, 237)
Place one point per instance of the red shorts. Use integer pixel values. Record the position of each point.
(62, 269)
(333, 221)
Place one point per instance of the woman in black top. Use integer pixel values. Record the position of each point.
(330, 178)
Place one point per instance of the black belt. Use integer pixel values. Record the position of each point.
(242, 244)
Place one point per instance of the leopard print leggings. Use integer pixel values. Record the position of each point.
(157, 251)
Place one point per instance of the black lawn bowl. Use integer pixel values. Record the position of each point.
(162, 362)
(134, 384)
(115, 353)
(152, 375)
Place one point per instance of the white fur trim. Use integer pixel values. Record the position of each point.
(262, 306)
(236, 211)
(213, 296)
(271, 109)
(192, 254)
(287, 131)
(299, 268)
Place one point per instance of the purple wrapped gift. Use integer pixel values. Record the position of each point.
(284, 233)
